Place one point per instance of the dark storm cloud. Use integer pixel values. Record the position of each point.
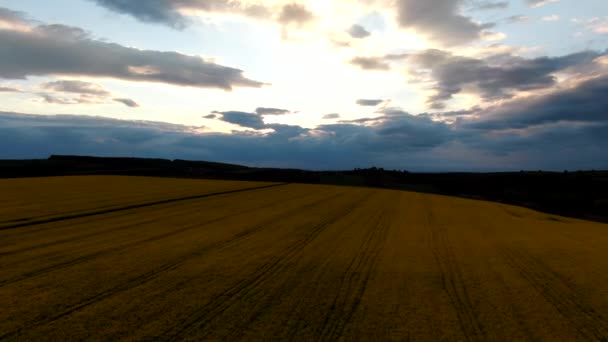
(331, 116)
(496, 77)
(243, 119)
(439, 20)
(64, 50)
(77, 87)
(371, 63)
(40, 135)
(210, 116)
(369, 103)
(587, 103)
(413, 131)
(127, 102)
(271, 111)
(168, 11)
(358, 31)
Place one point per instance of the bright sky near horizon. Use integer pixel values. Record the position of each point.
(418, 84)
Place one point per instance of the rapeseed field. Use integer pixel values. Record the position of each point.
(138, 258)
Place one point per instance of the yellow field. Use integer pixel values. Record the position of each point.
(106, 258)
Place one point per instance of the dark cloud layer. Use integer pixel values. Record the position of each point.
(496, 77)
(440, 20)
(568, 129)
(564, 130)
(586, 103)
(65, 50)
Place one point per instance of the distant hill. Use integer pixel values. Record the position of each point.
(582, 194)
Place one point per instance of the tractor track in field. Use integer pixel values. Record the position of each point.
(43, 227)
(92, 256)
(523, 326)
(235, 242)
(75, 221)
(134, 206)
(560, 292)
(353, 282)
(152, 274)
(120, 227)
(287, 287)
(243, 288)
(296, 262)
(453, 282)
(89, 235)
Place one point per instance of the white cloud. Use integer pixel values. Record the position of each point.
(553, 17)
(539, 3)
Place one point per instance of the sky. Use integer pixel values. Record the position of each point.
(422, 85)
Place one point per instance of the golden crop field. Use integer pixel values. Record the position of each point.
(128, 258)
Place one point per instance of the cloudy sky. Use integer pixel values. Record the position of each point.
(423, 85)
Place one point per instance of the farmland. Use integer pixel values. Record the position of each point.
(115, 257)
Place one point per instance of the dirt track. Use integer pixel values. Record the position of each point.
(145, 258)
